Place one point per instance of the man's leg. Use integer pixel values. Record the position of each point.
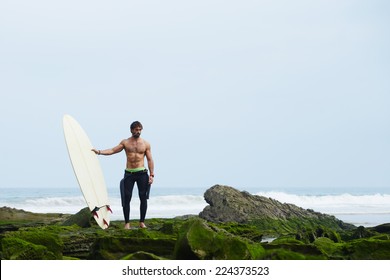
(126, 194)
(143, 185)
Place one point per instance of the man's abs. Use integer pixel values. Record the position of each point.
(134, 160)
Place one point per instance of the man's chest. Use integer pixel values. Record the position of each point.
(135, 147)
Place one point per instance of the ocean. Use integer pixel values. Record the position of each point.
(361, 207)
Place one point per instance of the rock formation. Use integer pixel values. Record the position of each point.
(227, 204)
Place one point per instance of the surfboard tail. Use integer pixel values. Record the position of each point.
(94, 212)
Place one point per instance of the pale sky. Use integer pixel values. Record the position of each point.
(264, 93)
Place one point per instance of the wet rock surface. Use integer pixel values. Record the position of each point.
(233, 226)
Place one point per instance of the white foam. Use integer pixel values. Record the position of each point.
(336, 204)
(159, 207)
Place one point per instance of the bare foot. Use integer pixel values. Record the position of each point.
(142, 225)
(127, 226)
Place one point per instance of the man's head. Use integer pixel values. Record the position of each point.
(136, 128)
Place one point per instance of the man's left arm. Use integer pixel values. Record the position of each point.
(149, 158)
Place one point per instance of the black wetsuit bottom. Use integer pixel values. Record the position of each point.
(126, 189)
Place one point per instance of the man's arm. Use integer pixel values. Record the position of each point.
(149, 158)
(111, 151)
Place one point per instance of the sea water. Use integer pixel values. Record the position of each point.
(359, 206)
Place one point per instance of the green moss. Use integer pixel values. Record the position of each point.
(333, 235)
(18, 249)
(368, 249)
(109, 247)
(283, 254)
(243, 230)
(381, 237)
(294, 225)
(168, 228)
(65, 258)
(329, 248)
(142, 256)
(295, 247)
(198, 240)
(286, 240)
(47, 236)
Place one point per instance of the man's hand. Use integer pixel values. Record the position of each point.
(151, 177)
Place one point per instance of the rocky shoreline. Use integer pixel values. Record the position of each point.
(234, 225)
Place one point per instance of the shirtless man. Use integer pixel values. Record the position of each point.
(136, 150)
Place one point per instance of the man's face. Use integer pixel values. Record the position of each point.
(136, 132)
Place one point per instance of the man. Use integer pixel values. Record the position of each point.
(136, 150)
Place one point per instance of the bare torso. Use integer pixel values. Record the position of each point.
(136, 149)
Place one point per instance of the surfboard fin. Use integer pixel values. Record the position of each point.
(105, 222)
(94, 212)
(108, 208)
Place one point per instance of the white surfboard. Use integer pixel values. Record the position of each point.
(88, 172)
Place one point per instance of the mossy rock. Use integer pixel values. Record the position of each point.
(65, 258)
(330, 248)
(288, 239)
(309, 235)
(117, 247)
(168, 228)
(381, 237)
(197, 240)
(142, 256)
(42, 237)
(243, 230)
(368, 249)
(289, 248)
(359, 233)
(193, 239)
(333, 235)
(18, 249)
(83, 219)
(362, 232)
(296, 225)
(384, 228)
(283, 254)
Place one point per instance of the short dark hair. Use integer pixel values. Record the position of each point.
(135, 125)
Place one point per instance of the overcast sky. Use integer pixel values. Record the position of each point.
(264, 93)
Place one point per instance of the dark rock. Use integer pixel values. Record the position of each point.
(8, 227)
(227, 204)
(122, 243)
(82, 218)
(77, 244)
(384, 228)
(362, 232)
